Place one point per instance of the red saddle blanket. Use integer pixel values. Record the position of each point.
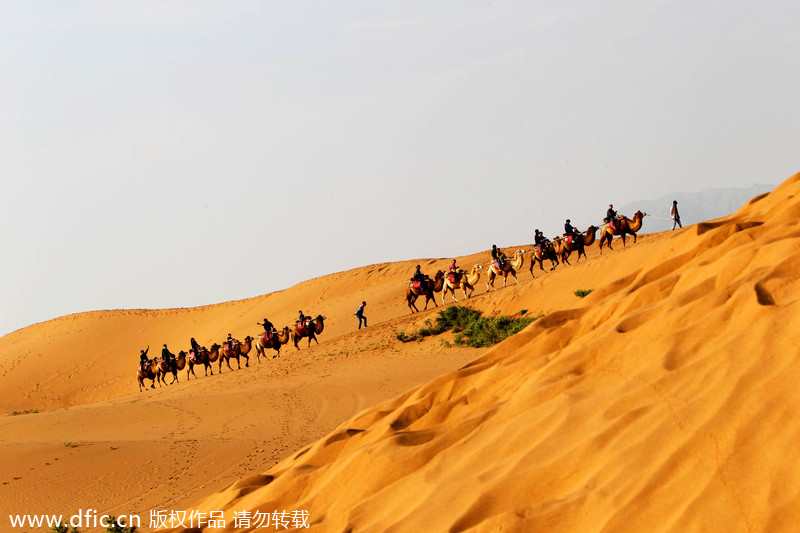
(301, 327)
(416, 284)
(496, 265)
(569, 239)
(612, 223)
(452, 277)
(267, 337)
(539, 249)
(192, 356)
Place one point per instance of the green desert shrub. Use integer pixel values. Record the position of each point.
(583, 293)
(471, 328)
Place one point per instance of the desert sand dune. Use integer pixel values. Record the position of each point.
(666, 400)
(663, 401)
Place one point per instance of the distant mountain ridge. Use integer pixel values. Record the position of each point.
(693, 207)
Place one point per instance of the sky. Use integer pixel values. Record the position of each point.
(183, 153)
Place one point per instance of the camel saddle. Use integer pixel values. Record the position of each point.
(612, 223)
(453, 277)
(267, 336)
(301, 327)
(569, 239)
(416, 284)
(192, 356)
(539, 249)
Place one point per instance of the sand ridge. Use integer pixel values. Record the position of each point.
(666, 400)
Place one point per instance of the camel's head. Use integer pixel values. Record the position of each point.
(478, 267)
(320, 318)
(439, 274)
(248, 339)
(214, 346)
(639, 214)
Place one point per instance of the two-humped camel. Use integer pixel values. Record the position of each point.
(427, 287)
(310, 329)
(566, 246)
(462, 280)
(623, 226)
(275, 342)
(510, 266)
(239, 350)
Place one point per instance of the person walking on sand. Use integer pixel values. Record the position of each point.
(360, 314)
(673, 212)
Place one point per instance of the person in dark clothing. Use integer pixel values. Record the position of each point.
(231, 342)
(676, 218)
(541, 240)
(418, 275)
(195, 348)
(498, 255)
(610, 214)
(143, 360)
(301, 319)
(268, 328)
(167, 356)
(569, 229)
(360, 314)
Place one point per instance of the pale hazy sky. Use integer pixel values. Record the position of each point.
(181, 153)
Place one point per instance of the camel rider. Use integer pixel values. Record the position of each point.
(231, 341)
(498, 255)
(418, 275)
(569, 229)
(301, 319)
(143, 359)
(539, 239)
(167, 356)
(453, 270)
(195, 348)
(610, 214)
(268, 328)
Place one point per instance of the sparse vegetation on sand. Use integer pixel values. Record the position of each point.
(583, 293)
(471, 328)
(25, 412)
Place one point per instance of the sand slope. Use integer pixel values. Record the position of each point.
(667, 400)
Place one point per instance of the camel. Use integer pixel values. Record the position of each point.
(429, 286)
(240, 349)
(277, 340)
(548, 251)
(307, 331)
(578, 244)
(624, 226)
(463, 280)
(151, 372)
(163, 369)
(204, 357)
(509, 267)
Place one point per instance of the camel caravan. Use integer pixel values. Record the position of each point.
(158, 368)
(557, 251)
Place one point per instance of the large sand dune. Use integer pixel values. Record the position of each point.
(665, 400)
